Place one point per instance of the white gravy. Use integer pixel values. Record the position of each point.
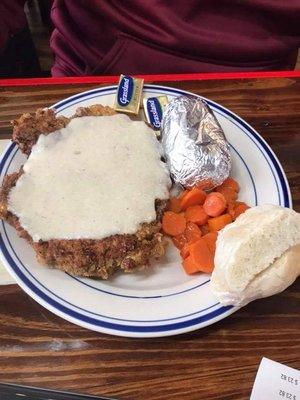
(97, 177)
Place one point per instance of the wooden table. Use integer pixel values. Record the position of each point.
(218, 362)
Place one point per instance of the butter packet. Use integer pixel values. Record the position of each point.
(153, 109)
(129, 94)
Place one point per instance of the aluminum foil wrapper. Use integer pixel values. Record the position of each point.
(195, 146)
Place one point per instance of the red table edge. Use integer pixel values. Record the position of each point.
(160, 77)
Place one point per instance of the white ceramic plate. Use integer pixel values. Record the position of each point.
(163, 300)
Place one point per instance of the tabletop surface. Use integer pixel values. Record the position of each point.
(218, 362)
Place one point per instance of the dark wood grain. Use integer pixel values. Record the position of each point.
(218, 362)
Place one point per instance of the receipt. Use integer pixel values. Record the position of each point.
(275, 381)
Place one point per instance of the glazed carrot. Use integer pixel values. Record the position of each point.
(179, 241)
(205, 184)
(229, 194)
(230, 183)
(210, 239)
(196, 214)
(174, 205)
(205, 229)
(218, 223)
(230, 208)
(192, 232)
(214, 204)
(220, 195)
(200, 258)
(194, 218)
(192, 198)
(185, 251)
(182, 194)
(236, 208)
(173, 224)
(240, 209)
(189, 265)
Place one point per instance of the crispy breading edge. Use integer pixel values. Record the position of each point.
(133, 251)
(29, 126)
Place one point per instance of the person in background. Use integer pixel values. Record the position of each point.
(17, 52)
(97, 37)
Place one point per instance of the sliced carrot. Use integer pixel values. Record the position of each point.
(173, 224)
(179, 241)
(218, 223)
(185, 251)
(230, 183)
(201, 257)
(196, 214)
(211, 239)
(229, 194)
(240, 209)
(192, 198)
(214, 204)
(182, 194)
(174, 205)
(189, 265)
(205, 184)
(194, 218)
(237, 208)
(192, 232)
(230, 208)
(219, 195)
(205, 229)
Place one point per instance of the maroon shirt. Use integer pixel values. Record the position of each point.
(12, 20)
(153, 36)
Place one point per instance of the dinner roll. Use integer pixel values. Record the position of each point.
(276, 278)
(247, 249)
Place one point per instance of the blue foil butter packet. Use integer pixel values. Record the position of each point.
(125, 90)
(153, 109)
(129, 94)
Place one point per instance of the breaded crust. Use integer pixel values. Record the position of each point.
(27, 128)
(84, 257)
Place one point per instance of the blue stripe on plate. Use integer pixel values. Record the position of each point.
(137, 297)
(29, 285)
(20, 263)
(92, 321)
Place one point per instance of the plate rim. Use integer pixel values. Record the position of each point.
(191, 323)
